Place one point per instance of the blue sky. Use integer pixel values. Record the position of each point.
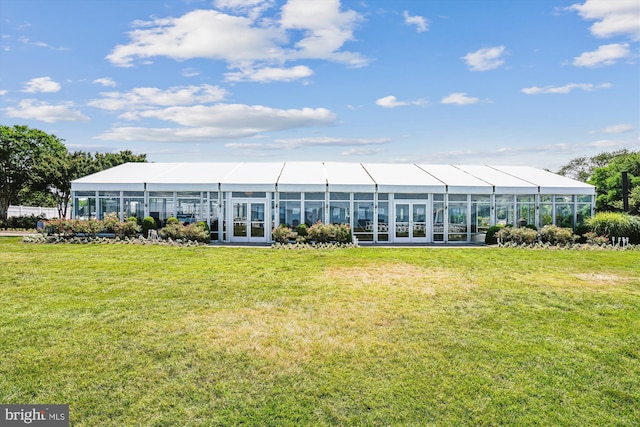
(528, 82)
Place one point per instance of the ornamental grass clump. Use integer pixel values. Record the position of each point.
(615, 224)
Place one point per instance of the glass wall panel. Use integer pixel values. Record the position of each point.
(410, 196)
(383, 221)
(504, 209)
(438, 218)
(362, 196)
(85, 205)
(526, 208)
(546, 210)
(109, 203)
(314, 196)
(458, 211)
(189, 207)
(249, 194)
(339, 212)
(133, 204)
(340, 196)
(215, 214)
(564, 212)
(480, 213)
(313, 212)
(584, 212)
(161, 205)
(290, 213)
(363, 220)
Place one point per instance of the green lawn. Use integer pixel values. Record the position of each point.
(151, 335)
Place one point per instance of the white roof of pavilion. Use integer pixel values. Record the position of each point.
(251, 177)
(348, 177)
(403, 178)
(547, 182)
(457, 180)
(319, 176)
(502, 182)
(303, 176)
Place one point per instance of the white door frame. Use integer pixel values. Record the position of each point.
(256, 226)
(411, 224)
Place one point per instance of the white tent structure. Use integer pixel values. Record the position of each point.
(382, 203)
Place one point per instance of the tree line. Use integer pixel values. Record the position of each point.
(36, 168)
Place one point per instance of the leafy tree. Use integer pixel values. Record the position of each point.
(608, 182)
(582, 168)
(22, 152)
(605, 172)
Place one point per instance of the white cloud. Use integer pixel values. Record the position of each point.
(326, 29)
(613, 17)
(419, 21)
(201, 34)
(28, 42)
(268, 74)
(392, 102)
(587, 87)
(246, 42)
(222, 121)
(105, 81)
(361, 151)
(41, 84)
(295, 143)
(459, 98)
(621, 128)
(3, 92)
(33, 109)
(252, 8)
(190, 72)
(485, 59)
(605, 55)
(148, 97)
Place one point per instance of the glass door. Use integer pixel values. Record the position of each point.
(257, 220)
(240, 221)
(249, 221)
(410, 222)
(402, 222)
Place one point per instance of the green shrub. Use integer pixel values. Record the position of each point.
(172, 231)
(302, 230)
(281, 233)
(172, 220)
(615, 224)
(148, 223)
(490, 237)
(328, 233)
(127, 228)
(517, 235)
(24, 222)
(204, 225)
(110, 220)
(594, 239)
(554, 235)
(197, 232)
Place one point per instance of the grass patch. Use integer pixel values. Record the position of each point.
(151, 335)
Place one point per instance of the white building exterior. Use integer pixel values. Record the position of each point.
(382, 203)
